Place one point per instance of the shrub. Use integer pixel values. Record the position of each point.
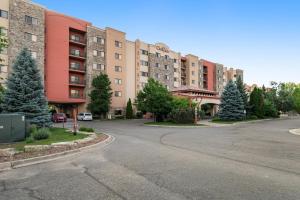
(252, 117)
(32, 129)
(29, 140)
(270, 109)
(85, 129)
(182, 116)
(41, 134)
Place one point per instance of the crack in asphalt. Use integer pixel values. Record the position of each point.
(31, 192)
(86, 172)
(223, 157)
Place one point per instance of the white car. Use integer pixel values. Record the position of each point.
(84, 117)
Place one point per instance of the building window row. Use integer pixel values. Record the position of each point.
(99, 40)
(31, 20)
(3, 68)
(144, 52)
(118, 44)
(75, 65)
(144, 63)
(118, 93)
(3, 31)
(167, 67)
(3, 51)
(167, 77)
(118, 69)
(99, 53)
(30, 37)
(97, 66)
(145, 74)
(118, 56)
(118, 81)
(4, 14)
(33, 54)
(157, 65)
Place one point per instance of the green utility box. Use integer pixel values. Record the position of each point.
(12, 128)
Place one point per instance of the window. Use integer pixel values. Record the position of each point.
(3, 31)
(74, 79)
(157, 55)
(175, 79)
(157, 65)
(98, 53)
(145, 63)
(144, 52)
(118, 68)
(167, 67)
(193, 81)
(118, 93)
(99, 40)
(118, 81)
(193, 73)
(74, 93)
(118, 112)
(31, 20)
(166, 57)
(97, 66)
(118, 44)
(75, 38)
(167, 77)
(175, 69)
(118, 56)
(33, 54)
(157, 75)
(75, 52)
(30, 37)
(193, 64)
(75, 65)
(167, 86)
(146, 74)
(4, 14)
(175, 60)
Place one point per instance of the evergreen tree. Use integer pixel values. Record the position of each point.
(156, 99)
(25, 92)
(232, 106)
(129, 110)
(241, 87)
(257, 102)
(100, 95)
(1, 97)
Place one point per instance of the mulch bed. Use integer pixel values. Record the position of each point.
(52, 150)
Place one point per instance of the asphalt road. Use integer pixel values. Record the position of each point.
(248, 161)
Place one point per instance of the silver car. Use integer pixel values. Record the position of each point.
(85, 117)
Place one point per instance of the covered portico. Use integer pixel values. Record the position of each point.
(199, 96)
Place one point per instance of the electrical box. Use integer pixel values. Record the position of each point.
(12, 128)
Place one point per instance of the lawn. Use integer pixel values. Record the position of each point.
(57, 135)
(171, 124)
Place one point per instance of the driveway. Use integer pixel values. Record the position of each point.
(247, 161)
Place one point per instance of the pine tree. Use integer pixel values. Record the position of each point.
(25, 92)
(232, 106)
(100, 95)
(129, 111)
(257, 102)
(241, 87)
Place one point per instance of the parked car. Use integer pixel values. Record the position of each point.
(59, 117)
(85, 117)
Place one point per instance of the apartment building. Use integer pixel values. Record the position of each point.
(70, 52)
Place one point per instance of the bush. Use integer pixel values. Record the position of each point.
(182, 116)
(32, 129)
(252, 117)
(41, 134)
(29, 140)
(270, 109)
(85, 129)
(139, 115)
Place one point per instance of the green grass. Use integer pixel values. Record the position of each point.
(57, 135)
(171, 124)
(219, 121)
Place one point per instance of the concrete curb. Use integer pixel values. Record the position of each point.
(166, 126)
(42, 159)
(295, 131)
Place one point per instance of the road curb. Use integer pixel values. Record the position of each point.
(42, 159)
(295, 131)
(201, 126)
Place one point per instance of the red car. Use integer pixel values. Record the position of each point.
(59, 117)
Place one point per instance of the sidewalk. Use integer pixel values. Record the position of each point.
(295, 131)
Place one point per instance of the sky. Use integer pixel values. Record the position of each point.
(262, 37)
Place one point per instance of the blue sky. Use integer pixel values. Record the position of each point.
(260, 36)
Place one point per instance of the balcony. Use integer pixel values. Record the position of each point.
(79, 42)
(79, 69)
(77, 96)
(77, 83)
(81, 56)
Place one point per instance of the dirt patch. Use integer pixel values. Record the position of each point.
(52, 150)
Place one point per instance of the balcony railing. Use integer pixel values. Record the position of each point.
(79, 41)
(78, 55)
(77, 68)
(77, 96)
(77, 82)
